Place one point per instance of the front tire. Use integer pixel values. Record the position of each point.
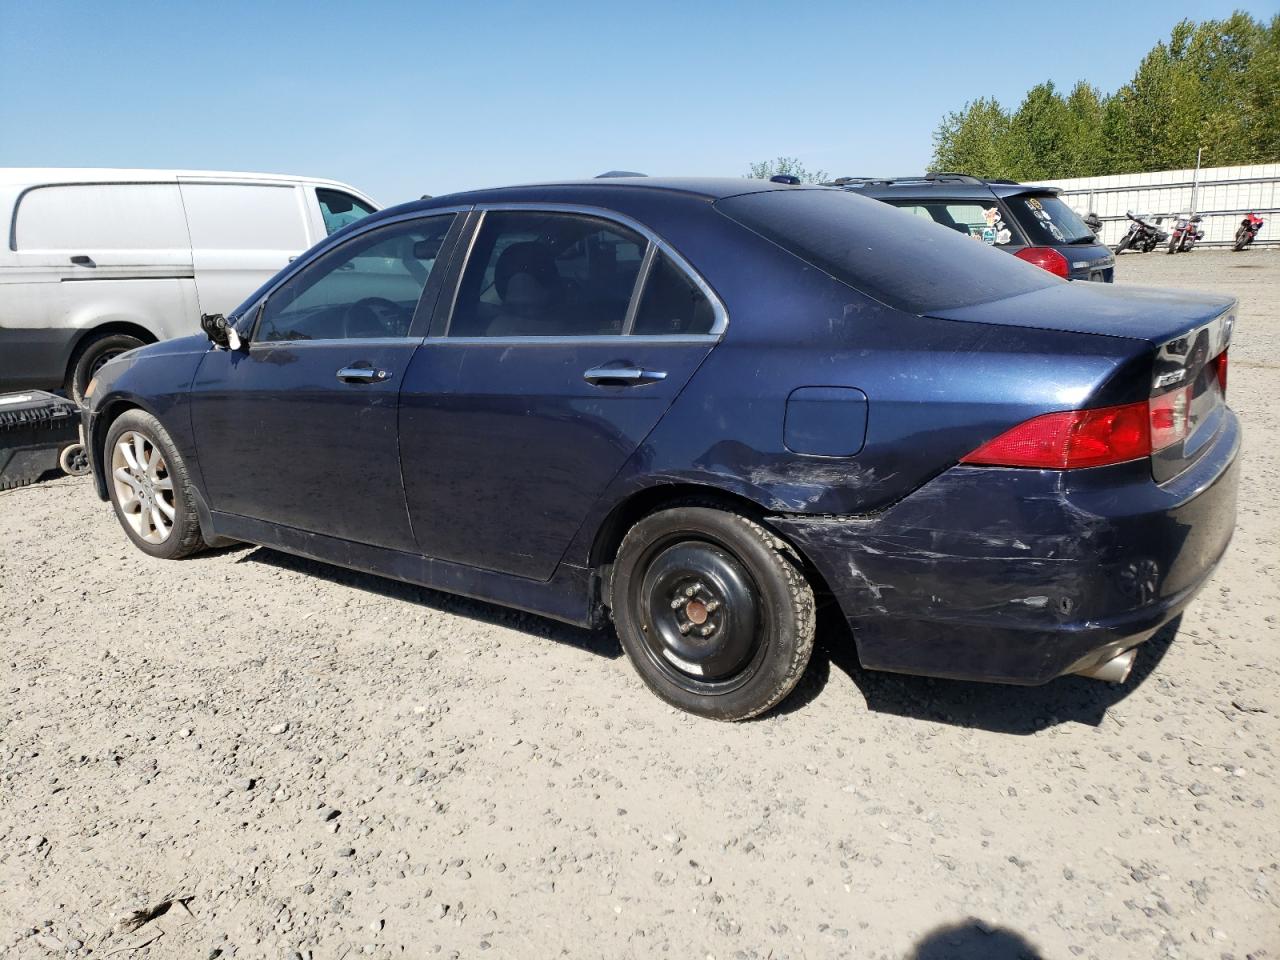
(150, 487)
(713, 611)
(89, 358)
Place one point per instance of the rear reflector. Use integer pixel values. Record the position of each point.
(1046, 258)
(1220, 367)
(1075, 438)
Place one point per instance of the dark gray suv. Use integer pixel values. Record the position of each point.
(1031, 222)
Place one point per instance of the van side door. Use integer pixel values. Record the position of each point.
(83, 255)
(242, 234)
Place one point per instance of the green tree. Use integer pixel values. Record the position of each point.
(972, 141)
(1039, 134)
(1085, 149)
(1213, 85)
(786, 166)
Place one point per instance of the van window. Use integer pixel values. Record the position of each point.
(244, 216)
(892, 257)
(339, 209)
(101, 216)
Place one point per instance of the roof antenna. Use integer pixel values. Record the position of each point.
(619, 173)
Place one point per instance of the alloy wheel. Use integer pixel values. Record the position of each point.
(143, 487)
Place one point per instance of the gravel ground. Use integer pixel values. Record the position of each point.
(285, 756)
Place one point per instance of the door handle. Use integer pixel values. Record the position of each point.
(362, 375)
(628, 376)
(80, 260)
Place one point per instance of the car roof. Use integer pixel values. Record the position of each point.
(30, 176)
(705, 188)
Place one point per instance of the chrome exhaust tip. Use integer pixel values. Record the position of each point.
(1115, 670)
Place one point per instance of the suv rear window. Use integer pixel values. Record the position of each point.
(899, 259)
(1046, 219)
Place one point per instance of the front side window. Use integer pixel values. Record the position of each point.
(541, 274)
(366, 287)
(340, 209)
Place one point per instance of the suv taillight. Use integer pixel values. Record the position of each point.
(1046, 258)
(1090, 438)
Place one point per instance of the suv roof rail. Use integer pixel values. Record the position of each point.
(939, 177)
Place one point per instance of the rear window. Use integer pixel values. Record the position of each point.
(892, 256)
(1046, 219)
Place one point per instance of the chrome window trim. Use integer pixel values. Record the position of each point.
(323, 248)
(333, 341)
(656, 243)
(599, 338)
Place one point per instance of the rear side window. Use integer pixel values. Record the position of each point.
(891, 256)
(243, 216)
(1048, 220)
(974, 220)
(536, 274)
(339, 209)
(672, 304)
(101, 216)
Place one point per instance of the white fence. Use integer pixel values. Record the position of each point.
(1223, 195)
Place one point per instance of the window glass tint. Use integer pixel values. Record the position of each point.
(534, 274)
(244, 216)
(1048, 220)
(340, 209)
(102, 216)
(890, 256)
(974, 220)
(672, 303)
(367, 287)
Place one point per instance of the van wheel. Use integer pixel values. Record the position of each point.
(89, 358)
(150, 488)
(713, 611)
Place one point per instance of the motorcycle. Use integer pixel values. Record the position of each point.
(1249, 228)
(1186, 233)
(1144, 233)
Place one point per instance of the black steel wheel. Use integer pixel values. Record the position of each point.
(713, 611)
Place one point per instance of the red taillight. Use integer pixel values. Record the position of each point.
(1220, 368)
(1071, 439)
(1169, 417)
(1046, 258)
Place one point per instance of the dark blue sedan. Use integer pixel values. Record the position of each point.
(694, 406)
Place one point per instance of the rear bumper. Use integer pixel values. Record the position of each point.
(1020, 576)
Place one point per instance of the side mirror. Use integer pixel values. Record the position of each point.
(219, 331)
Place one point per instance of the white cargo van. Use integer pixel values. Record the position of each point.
(100, 261)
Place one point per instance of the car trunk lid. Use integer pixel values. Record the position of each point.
(1139, 313)
(1189, 334)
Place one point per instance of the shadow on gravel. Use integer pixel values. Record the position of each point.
(974, 940)
(1000, 708)
(600, 642)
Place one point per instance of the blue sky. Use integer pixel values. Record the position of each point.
(401, 99)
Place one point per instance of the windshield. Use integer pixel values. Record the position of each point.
(1046, 219)
(902, 260)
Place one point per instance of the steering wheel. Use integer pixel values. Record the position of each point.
(373, 317)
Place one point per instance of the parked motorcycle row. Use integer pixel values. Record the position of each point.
(1146, 233)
